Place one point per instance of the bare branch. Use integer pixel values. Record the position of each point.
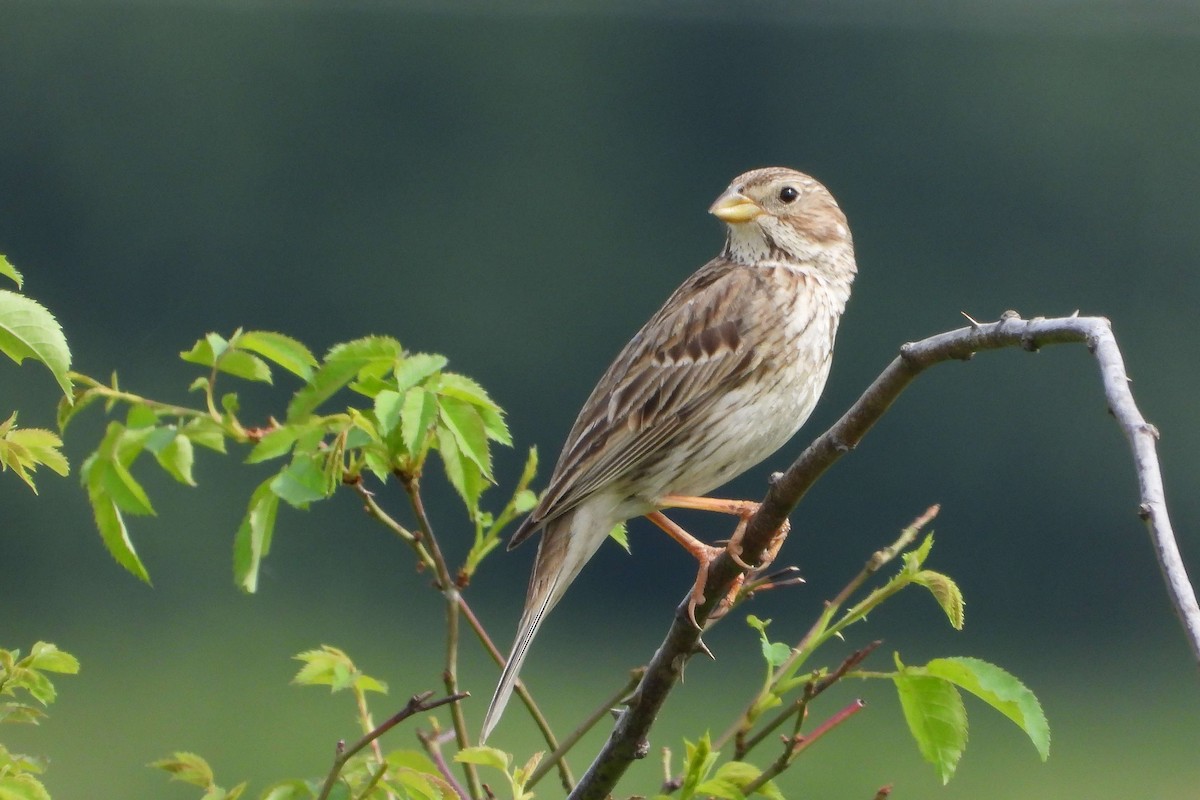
(417, 704)
(628, 740)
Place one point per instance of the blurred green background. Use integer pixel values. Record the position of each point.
(519, 187)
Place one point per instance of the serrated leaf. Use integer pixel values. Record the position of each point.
(9, 271)
(461, 471)
(936, 717)
(275, 444)
(999, 689)
(416, 418)
(252, 542)
(205, 432)
(913, 559)
(415, 368)
(28, 330)
(206, 351)
(947, 594)
(187, 768)
(48, 657)
(454, 385)
(388, 405)
(20, 713)
(280, 349)
(342, 364)
(301, 482)
(244, 365)
(463, 421)
(114, 534)
(698, 762)
(483, 756)
(38, 685)
(620, 535)
(42, 448)
(124, 489)
(176, 458)
(22, 786)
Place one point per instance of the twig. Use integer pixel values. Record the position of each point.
(628, 740)
(450, 592)
(417, 704)
(795, 745)
(814, 688)
(432, 743)
(573, 738)
(820, 631)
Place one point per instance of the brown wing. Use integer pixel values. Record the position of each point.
(682, 360)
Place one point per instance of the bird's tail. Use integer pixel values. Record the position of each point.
(561, 555)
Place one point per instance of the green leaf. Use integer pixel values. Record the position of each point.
(124, 489)
(48, 657)
(342, 364)
(729, 779)
(913, 559)
(463, 421)
(999, 689)
(214, 351)
(288, 790)
(9, 271)
(936, 717)
(483, 756)
(22, 787)
(330, 666)
(282, 350)
(301, 482)
(205, 432)
(388, 405)
(206, 351)
(416, 419)
(416, 367)
(275, 444)
(525, 500)
(699, 759)
(946, 592)
(176, 457)
(188, 768)
(253, 539)
(28, 330)
(114, 534)
(20, 713)
(620, 535)
(461, 471)
(140, 416)
(23, 450)
(775, 653)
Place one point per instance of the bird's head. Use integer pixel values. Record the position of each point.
(777, 214)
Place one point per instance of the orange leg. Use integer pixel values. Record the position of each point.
(743, 510)
(702, 552)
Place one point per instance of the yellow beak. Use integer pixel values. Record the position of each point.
(734, 207)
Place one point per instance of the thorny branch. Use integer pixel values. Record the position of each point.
(628, 740)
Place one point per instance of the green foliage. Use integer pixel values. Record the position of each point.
(28, 330)
(25, 680)
(517, 777)
(408, 406)
(937, 717)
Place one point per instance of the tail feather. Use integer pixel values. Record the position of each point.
(562, 552)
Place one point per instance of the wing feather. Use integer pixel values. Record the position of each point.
(676, 366)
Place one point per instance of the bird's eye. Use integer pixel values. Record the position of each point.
(788, 194)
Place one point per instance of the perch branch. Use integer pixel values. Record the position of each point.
(628, 740)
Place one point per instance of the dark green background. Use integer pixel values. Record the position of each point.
(519, 187)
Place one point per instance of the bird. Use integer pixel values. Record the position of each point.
(718, 379)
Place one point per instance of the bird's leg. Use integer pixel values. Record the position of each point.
(743, 510)
(702, 552)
